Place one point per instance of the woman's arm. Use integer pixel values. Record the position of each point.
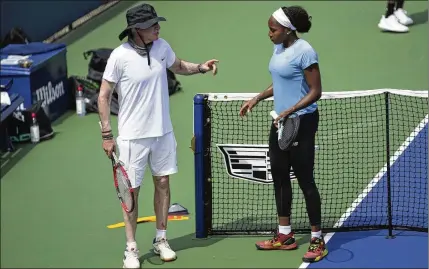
(312, 76)
(267, 93)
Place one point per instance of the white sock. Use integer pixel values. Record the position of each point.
(285, 229)
(161, 233)
(316, 234)
(131, 245)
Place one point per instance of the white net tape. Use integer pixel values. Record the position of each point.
(325, 95)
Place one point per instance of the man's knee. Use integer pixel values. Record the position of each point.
(162, 182)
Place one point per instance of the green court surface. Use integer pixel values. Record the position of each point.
(57, 197)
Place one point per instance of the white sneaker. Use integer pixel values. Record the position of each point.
(163, 249)
(402, 17)
(131, 258)
(391, 24)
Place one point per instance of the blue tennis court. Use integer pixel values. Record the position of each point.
(371, 248)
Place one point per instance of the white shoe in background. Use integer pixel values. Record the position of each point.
(392, 24)
(402, 17)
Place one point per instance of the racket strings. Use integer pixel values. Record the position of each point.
(287, 132)
(124, 188)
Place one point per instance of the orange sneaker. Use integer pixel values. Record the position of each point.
(278, 242)
(316, 251)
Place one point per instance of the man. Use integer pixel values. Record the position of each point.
(137, 70)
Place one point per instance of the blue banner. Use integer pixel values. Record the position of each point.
(41, 19)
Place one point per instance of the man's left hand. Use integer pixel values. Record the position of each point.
(210, 65)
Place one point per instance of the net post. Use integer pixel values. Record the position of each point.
(199, 117)
(388, 178)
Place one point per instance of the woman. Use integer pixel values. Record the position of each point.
(296, 87)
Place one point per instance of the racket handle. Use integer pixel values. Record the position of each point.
(274, 114)
(115, 157)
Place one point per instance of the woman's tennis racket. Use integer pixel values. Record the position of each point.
(122, 183)
(287, 130)
(123, 186)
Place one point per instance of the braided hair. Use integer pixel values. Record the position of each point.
(299, 18)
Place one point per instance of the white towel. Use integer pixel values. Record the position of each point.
(4, 98)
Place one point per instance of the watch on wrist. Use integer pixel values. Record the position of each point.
(200, 70)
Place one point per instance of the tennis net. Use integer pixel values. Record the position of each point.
(371, 164)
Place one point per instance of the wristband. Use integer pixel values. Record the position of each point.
(200, 70)
(107, 137)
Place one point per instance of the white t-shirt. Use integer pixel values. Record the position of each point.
(144, 104)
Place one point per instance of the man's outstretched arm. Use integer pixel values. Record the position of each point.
(182, 67)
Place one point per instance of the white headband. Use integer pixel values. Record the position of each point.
(281, 18)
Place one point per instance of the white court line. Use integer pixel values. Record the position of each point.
(16, 152)
(374, 182)
(4, 163)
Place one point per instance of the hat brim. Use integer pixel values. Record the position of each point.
(142, 25)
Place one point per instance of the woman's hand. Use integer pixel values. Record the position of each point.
(282, 115)
(247, 107)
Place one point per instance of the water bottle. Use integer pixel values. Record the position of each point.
(80, 102)
(34, 129)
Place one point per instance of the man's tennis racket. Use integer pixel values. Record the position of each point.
(287, 130)
(122, 183)
(123, 186)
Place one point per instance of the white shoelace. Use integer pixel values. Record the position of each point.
(163, 243)
(132, 253)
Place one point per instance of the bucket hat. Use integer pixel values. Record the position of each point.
(142, 16)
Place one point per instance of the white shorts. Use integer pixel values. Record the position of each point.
(159, 152)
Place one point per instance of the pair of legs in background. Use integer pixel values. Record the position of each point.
(395, 19)
(301, 158)
(160, 154)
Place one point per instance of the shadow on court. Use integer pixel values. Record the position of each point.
(250, 222)
(181, 243)
(189, 241)
(420, 17)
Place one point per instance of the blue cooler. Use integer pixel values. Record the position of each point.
(45, 80)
